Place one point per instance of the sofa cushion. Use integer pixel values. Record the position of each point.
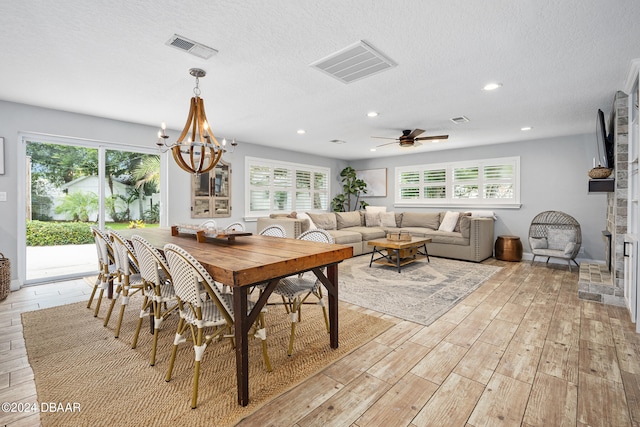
(446, 237)
(375, 208)
(538, 242)
(421, 219)
(388, 219)
(369, 233)
(345, 237)
(465, 226)
(558, 238)
(347, 219)
(325, 221)
(372, 219)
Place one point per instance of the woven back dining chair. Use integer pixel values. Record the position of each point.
(295, 290)
(160, 295)
(273, 231)
(215, 314)
(129, 281)
(235, 226)
(107, 270)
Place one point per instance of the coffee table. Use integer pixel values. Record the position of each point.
(398, 252)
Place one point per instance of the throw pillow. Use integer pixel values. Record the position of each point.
(375, 208)
(372, 219)
(462, 215)
(483, 214)
(347, 219)
(449, 221)
(388, 219)
(538, 242)
(307, 224)
(325, 221)
(558, 238)
(568, 250)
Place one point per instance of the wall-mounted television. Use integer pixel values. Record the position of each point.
(604, 143)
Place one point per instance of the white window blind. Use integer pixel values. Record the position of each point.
(488, 182)
(273, 186)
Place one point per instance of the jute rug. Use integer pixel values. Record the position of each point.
(77, 360)
(422, 292)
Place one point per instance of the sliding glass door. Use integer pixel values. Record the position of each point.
(72, 186)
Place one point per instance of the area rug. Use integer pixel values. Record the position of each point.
(422, 292)
(78, 361)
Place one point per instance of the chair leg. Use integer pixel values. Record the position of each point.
(124, 303)
(143, 314)
(95, 288)
(156, 330)
(113, 303)
(295, 318)
(95, 312)
(199, 350)
(176, 340)
(533, 259)
(263, 336)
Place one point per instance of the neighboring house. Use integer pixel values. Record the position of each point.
(89, 184)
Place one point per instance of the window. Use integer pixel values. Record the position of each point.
(284, 187)
(490, 182)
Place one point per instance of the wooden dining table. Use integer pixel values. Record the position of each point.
(249, 260)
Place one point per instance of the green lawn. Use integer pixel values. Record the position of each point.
(125, 225)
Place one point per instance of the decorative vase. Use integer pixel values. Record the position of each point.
(600, 172)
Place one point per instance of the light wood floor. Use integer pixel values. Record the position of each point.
(520, 350)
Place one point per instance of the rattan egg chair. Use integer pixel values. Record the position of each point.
(555, 234)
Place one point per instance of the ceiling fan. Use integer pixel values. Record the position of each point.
(410, 137)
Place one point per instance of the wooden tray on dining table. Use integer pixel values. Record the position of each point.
(203, 235)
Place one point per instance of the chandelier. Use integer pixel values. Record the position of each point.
(197, 150)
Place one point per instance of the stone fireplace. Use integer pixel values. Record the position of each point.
(599, 282)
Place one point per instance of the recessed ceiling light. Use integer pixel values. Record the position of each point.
(372, 114)
(492, 86)
(302, 131)
(526, 128)
(372, 149)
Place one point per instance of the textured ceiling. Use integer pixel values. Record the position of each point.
(558, 61)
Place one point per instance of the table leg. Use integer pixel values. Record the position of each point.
(397, 252)
(241, 329)
(330, 281)
(242, 323)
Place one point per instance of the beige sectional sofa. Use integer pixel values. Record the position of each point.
(471, 239)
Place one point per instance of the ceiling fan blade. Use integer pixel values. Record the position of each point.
(388, 143)
(415, 133)
(426, 138)
(383, 137)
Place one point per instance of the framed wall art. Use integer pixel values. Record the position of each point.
(376, 180)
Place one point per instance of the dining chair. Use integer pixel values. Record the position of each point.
(197, 313)
(160, 297)
(235, 226)
(107, 270)
(295, 290)
(129, 281)
(208, 224)
(273, 231)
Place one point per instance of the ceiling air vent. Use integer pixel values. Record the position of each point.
(458, 120)
(194, 48)
(354, 62)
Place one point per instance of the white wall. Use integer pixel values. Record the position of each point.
(553, 173)
(553, 176)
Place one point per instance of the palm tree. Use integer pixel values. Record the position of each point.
(79, 205)
(147, 173)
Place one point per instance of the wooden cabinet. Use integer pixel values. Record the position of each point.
(211, 193)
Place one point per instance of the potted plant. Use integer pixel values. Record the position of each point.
(352, 187)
